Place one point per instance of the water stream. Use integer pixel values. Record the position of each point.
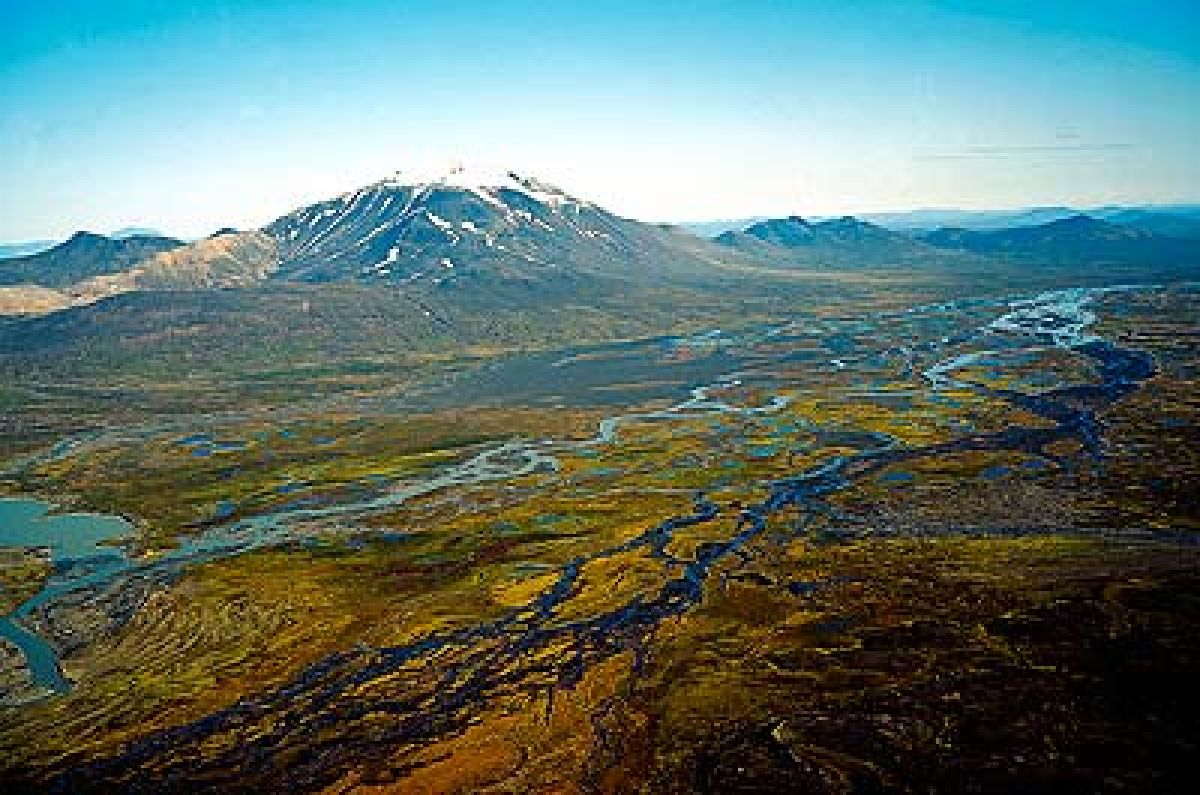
(470, 663)
(1055, 319)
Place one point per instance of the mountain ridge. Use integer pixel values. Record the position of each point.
(474, 231)
(1079, 238)
(82, 256)
(846, 240)
(463, 225)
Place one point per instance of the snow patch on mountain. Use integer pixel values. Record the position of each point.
(486, 182)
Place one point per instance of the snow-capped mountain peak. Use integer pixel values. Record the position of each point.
(413, 220)
(483, 180)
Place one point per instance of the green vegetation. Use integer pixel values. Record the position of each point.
(171, 484)
(22, 572)
(941, 619)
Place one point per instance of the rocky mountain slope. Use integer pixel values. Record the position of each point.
(81, 257)
(471, 225)
(841, 241)
(469, 236)
(236, 259)
(462, 230)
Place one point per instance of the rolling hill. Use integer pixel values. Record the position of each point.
(1171, 224)
(82, 257)
(1079, 239)
(25, 248)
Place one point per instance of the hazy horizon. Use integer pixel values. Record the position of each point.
(195, 116)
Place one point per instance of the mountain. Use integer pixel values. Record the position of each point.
(909, 221)
(81, 257)
(790, 232)
(1078, 239)
(466, 226)
(135, 231)
(1157, 222)
(235, 259)
(925, 220)
(405, 264)
(845, 241)
(238, 259)
(9, 250)
(1113, 212)
(710, 229)
(472, 233)
(414, 265)
(978, 220)
(485, 242)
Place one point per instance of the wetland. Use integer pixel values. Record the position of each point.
(824, 552)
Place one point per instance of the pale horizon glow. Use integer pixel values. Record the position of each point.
(189, 116)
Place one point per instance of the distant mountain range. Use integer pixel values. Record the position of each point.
(1177, 223)
(419, 264)
(135, 231)
(8, 250)
(709, 229)
(844, 241)
(24, 248)
(1077, 239)
(1180, 220)
(471, 236)
(83, 256)
(1174, 220)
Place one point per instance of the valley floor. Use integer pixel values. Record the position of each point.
(946, 548)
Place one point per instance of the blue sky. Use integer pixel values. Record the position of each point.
(187, 116)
